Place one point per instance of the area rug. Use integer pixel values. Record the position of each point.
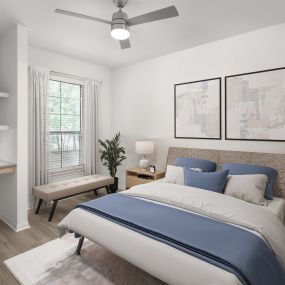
(55, 263)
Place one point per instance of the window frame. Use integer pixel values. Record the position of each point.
(71, 168)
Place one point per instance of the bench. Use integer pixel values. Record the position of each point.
(68, 188)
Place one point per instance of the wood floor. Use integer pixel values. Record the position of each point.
(41, 231)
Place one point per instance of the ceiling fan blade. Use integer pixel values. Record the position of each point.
(125, 44)
(157, 15)
(69, 13)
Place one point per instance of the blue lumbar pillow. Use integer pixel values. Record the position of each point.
(212, 181)
(243, 169)
(204, 165)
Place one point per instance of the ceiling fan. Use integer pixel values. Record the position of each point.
(120, 24)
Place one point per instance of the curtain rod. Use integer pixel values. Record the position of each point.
(74, 76)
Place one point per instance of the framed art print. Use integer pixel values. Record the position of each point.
(255, 106)
(197, 109)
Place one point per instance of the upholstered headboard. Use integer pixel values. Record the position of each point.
(276, 161)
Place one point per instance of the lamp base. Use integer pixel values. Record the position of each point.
(144, 164)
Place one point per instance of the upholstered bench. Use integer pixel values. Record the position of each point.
(68, 188)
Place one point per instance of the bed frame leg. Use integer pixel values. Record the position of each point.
(79, 246)
(52, 210)
(39, 206)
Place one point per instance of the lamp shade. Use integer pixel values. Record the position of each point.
(144, 147)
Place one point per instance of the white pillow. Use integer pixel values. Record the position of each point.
(174, 175)
(250, 188)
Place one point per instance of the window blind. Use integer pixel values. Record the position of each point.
(66, 130)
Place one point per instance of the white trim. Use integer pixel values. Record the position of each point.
(18, 228)
(4, 128)
(56, 74)
(122, 187)
(23, 226)
(4, 95)
(68, 172)
(67, 79)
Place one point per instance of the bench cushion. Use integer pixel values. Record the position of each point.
(61, 189)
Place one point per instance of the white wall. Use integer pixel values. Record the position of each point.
(143, 93)
(14, 112)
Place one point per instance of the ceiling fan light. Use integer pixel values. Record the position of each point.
(120, 32)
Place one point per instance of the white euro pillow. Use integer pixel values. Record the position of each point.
(250, 188)
(174, 175)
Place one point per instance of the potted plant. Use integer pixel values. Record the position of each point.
(112, 156)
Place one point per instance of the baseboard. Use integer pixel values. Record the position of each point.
(23, 226)
(122, 187)
(17, 228)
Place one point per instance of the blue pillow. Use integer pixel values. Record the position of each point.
(213, 181)
(242, 169)
(188, 162)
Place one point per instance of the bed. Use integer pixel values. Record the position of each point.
(171, 264)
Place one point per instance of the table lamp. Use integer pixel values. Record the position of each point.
(144, 148)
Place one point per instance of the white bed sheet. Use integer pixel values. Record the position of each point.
(277, 207)
(163, 261)
(158, 259)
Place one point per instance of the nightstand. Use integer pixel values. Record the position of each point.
(136, 176)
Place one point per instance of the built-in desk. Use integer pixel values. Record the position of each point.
(7, 167)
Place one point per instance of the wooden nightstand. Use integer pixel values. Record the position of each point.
(135, 176)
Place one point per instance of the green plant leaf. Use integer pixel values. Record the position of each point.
(112, 154)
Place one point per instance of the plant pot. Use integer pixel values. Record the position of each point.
(114, 187)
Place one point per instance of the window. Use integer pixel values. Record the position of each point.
(65, 117)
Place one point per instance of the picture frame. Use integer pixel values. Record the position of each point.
(254, 106)
(204, 120)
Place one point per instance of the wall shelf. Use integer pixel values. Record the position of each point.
(7, 167)
(4, 95)
(4, 128)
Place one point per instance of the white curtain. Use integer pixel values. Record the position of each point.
(91, 94)
(38, 125)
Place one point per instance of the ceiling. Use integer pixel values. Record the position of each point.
(200, 22)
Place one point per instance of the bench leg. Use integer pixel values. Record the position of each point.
(95, 193)
(108, 189)
(79, 246)
(39, 206)
(52, 210)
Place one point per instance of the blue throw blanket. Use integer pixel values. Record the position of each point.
(223, 245)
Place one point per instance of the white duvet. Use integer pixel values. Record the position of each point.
(165, 262)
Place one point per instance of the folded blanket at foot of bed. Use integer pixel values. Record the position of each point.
(226, 246)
